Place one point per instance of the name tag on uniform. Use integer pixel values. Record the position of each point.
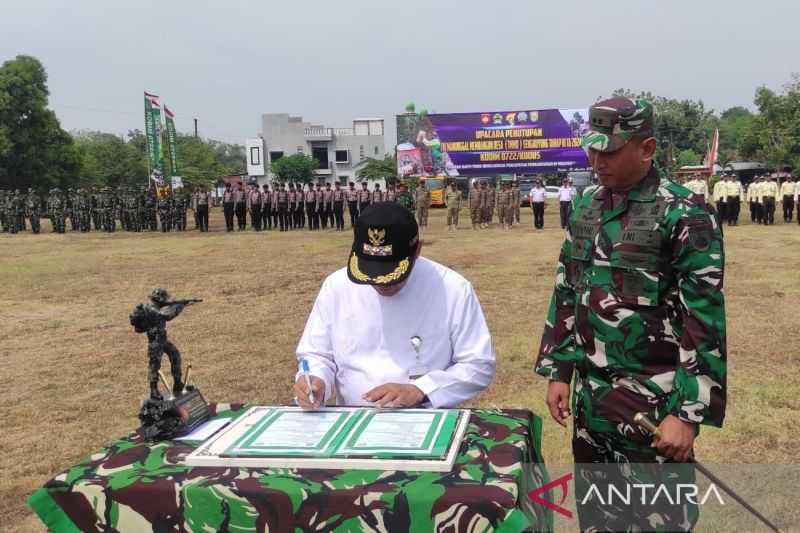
(417, 372)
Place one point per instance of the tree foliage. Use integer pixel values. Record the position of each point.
(295, 168)
(34, 150)
(375, 169)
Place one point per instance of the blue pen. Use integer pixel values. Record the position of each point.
(306, 371)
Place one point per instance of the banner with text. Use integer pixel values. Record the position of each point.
(152, 126)
(491, 143)
(172, 143)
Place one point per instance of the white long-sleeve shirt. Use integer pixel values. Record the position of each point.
(537, 194)
(357, 339)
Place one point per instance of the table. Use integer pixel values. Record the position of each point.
(132, 485)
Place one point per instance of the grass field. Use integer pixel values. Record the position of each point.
(74, 371)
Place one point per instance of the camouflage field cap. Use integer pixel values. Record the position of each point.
(613, 122)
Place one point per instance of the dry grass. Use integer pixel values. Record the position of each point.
(74, 370)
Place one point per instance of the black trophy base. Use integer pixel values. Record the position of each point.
(167, 419)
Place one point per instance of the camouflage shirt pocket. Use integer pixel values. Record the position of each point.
(635, 286)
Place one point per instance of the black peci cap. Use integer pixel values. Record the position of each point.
(384, 245)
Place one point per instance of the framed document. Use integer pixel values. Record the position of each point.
(338, 438)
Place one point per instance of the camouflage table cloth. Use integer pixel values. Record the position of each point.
(136, 486)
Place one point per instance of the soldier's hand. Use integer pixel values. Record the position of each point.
(558, 401)
(395, 395)
(675, 438)
(301, 392)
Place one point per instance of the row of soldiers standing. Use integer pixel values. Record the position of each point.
(483, 200)
(286, 207)
(99, 209)
(762, 195)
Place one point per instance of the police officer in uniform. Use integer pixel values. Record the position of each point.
(787, 199)
(422, 199)
(327, 206)
(636, 324)
(254, 203)
(240, 206)
(338, 206)
(352, 203)
(266, 208)
(227, 206)
(364, 197)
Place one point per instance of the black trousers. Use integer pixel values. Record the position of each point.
(352, 207)
(310, 217)
(338, 214)
(788, 208)
(255, 217)
(283, 216)
(753, 212)
(538, 214)
(297, 214)
(734, 206)
(202, 217)
(301, 215)
(769, 210)
(722, 212)
(227, 208)
(276, 215)
(241, 215)
(266, 217)
(326, 213)
(565, 209)
(362, 207)
(314, 221)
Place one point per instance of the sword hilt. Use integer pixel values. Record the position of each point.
(643, 421)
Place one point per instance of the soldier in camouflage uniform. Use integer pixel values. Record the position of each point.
(59, 210)
(637, 318)
(3, 210)
(149, 203)
(405, 198)
(33, 207)
(84, 210)
(72, 209)
(165, 209)
(181, 203)
(14, 208)
(97, 218)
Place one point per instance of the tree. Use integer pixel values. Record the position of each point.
(375, 169)
(778, 124)
(737, 135)
(295, 168)
(680, 125)
(107, 159)
(34, 150)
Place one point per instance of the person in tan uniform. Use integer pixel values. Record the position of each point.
(422, 199)
(735, 194)
(484, 203)
(202, 203)
(769, 193)
(754, 200)
(453, 202)
(787, 199)
(720, 198)
(492, 203)
(516, 199)
(505, 209)
(475, 204)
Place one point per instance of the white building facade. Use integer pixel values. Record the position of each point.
(338, 150)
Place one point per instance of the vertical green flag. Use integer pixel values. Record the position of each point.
(172, 143)
(152, 123)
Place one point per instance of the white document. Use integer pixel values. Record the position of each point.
(205, 430)
(298, 429)
(395, 430)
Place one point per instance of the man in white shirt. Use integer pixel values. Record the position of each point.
(394, 329)
(565, 196)
(537, 204)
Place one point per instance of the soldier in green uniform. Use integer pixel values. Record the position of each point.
(33, 207)
(636, 323)
(405, 198)
(13, 208)
(97, 219)
(59, 209)
(453, 202)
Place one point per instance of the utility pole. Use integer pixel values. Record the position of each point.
(195, 128)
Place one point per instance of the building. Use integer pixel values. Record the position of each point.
(338, 150)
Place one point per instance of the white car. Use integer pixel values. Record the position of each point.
(551, 191)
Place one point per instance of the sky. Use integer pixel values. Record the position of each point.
(226, 63)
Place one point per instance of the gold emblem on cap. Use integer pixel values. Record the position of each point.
(399, 271)
(376, 236)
